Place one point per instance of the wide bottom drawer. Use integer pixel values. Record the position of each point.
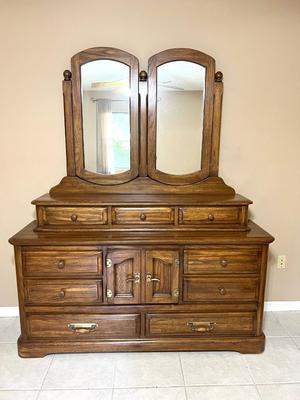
(83, 326)
(200, 324)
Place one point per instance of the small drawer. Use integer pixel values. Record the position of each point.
(226, 260)
(75, 216)
(219, 289)
(84, 326)
(62, 292)
(61, 263)
(143, 215)
(212, 215)
(200, 324)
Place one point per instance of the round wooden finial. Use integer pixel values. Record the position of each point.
(143, 76)
(67, 75)
(218, 76)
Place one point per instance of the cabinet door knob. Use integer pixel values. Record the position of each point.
(211, 217)
(61, 264)
(143, 217)
(224, 263)
(74, 217)
(222, 290)
(62, 293)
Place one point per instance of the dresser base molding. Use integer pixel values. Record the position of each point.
(41, 348)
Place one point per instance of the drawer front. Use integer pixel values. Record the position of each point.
(200, 324)
(220, 289)
(62, 263)
(62, 292)
(83, 326)
(224, 260)
(143, 215)
(210, 215)
(74, 215)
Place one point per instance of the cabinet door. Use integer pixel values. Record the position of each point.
(162, 276)
(123, 271)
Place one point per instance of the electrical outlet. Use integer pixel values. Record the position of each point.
(281, 262)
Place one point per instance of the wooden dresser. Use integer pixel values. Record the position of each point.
(141, 247)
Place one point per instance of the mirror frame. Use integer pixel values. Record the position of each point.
(197, 57)
(105, 53)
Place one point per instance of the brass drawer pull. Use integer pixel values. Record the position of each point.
(201, 326)
(150, 279)
(135, 278)
(74, 217)
(82, 327)
(224, 263)
(222, 290)
(61, 264)
(143, 217)
(211, 217)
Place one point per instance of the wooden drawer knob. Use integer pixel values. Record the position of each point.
(224, 263)
(61, 264)
(211, 217)
(143, 217)
(222, 290)
(74, 217)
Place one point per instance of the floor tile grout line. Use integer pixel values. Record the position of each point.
(282, 326)
(294, 341)
(183, 378)
(43, 381)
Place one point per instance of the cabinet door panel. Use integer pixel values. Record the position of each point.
(162, 276)
(123, 269)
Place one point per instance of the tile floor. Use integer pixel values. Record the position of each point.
(273, 375)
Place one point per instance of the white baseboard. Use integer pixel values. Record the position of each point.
(9, 311)
(282, 305)
(269, 306)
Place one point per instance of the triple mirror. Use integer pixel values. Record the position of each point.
(107, 114)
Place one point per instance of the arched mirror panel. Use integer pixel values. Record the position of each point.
(106, 115)
(180, 115)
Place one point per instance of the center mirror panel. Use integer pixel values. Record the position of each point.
(179, 126)
(105, 93)
(105, 107)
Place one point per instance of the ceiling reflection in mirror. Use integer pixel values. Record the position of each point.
(179, 125)
(105, 93)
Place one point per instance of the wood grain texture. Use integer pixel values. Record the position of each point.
(73, 216)
(242, 344)
(219, 288)
(61, 263)
(224, 260)
(194, 324)
(143, 215)
(62, 292)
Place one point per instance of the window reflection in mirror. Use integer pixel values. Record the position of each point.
(105, 91)
(179, 125)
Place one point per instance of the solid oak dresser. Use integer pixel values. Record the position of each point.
(141, 247)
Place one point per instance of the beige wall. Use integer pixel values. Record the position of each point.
(255, 44)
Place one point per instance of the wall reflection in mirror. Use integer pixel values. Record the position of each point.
(105, 91)
(179, 125)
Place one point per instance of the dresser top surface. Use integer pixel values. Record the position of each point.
(27, 236)
(141, 199)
